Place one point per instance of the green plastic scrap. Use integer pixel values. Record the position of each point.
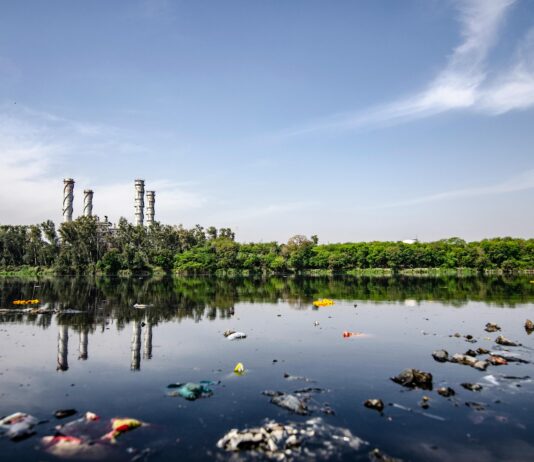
(192, 391)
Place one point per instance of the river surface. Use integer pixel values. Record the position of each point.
(95, 352)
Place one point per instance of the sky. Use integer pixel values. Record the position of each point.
(354, 121)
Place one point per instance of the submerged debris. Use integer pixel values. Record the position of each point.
(376, 404)
(472, 386)
(440, 356)
(228, 332)
(291, 403)
(475, 406)
(492, 327)
(296, 377)
(446, 391)
(529, 326)
(192, 391)
(302, 441)
(482, 351)
(470, 353)
(504, 341)
(18, 425)
(424, 403)
(414, 378)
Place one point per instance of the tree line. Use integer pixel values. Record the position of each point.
(86, 246)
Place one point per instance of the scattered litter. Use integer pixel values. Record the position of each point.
(504, 341)
(120, 426)
(141, 306)
(239, 369)
(192, 391)
(376, 404)
(228, 332)
(18, 425)
(72, 447)
(296, 378)
(529, 326)
(472, 386)
(426, 414)
(491, 379)
(26, 302)
(63, 413)
(291, 403)
(440, 356)
(470, 353)
(316, 323)
(492, 327)
(497, 360)
(236, 336)
(323, 302)
(470, 361)
(413, 378)
(482, 351)
(378, 456)
(348, 334)
(302, 441)
(446, 392)
(424, 403)
(475, 406)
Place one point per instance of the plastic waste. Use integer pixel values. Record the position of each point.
(120, 425)
(72, 447)
(504, 341)
(414, 378)
(18, 425)
(141, 306)
(192, 391)
(469, 361)
(293, 441)
(323, 302)
(63, 413)
(348, 334)
(492, 327)
(376, 404)
(239, 368)
(236, 336)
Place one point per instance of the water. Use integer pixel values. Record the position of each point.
(115, 360)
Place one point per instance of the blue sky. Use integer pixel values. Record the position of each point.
(351, 120)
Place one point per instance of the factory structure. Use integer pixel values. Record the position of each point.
(139, 203)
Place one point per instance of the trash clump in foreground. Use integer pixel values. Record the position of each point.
(18, 426)
(309, 440)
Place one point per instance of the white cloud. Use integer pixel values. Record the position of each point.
(522, 182)
(37, 148)
(463, 83)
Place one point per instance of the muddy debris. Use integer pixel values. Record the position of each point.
(482, 351)
(378, 456)
(469, 338)
(309, 440)
(470, 361)
(414, 378)
(376, 404)
(504, 341)
(475, 406)
(441, 356)
(509, 356)
(472, 386)
(64, 413)
(471, 353)
(291, 403)
(529, 326)
(447, 392)
(294, 378)
(492, 327)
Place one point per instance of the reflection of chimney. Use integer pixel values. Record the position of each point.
(63, 348)
(84, 342)
(88, 203)
(68, 198)
(135, 365)
(150, 210)
(139, 202)
(147, 348)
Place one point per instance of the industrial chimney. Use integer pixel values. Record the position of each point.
(150, 210)
(88, 203)
(139, 202)
(68, 198)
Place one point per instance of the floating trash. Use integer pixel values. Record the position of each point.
(414, 378)
(26, 302)
(192, 391)
(239, 369)
(302, 441)
(236, 336)
(323, 302)
(18, 425)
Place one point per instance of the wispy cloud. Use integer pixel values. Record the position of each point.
(463, 84)
(36, 148)
(522, 182)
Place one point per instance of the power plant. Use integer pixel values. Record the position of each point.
(139, 203)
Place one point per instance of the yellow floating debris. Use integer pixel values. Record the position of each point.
(26, 302)
(239, 368)
(323, 302)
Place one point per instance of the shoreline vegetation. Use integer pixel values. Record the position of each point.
(84, 246)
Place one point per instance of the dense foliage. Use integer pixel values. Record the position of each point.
(86, 246)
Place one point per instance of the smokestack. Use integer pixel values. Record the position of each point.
(150, 211)
(88, 203)
(68, 198)
(139, 202)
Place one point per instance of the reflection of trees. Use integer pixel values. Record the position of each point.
(105, 299)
